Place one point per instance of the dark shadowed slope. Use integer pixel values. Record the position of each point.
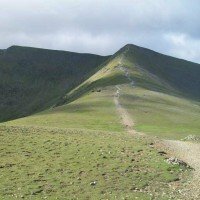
(32, 79)
(180, 74)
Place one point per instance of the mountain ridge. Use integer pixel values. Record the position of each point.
(156, 52)
(51, 68)
(125, 46)
(168, 68)
(53, 50)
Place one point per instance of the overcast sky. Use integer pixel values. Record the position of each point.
(103, 26)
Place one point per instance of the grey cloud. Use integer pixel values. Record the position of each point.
(102, 26)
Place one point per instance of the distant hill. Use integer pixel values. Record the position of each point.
(32, 79)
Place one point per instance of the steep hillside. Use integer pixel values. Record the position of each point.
(32, 79)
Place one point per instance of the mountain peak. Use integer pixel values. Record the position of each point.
(132, 48)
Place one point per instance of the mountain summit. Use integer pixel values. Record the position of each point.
(180, 74)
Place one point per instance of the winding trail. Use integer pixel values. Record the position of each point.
(189, 152)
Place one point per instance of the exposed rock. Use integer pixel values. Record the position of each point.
(162, 153)
(191, 138)
(93, 183)
(176, 161)
(37, 192)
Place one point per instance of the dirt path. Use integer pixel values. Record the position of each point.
(187, 151)
(125, 117)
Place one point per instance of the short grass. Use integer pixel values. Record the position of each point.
(52, 163)
(160, 114)
(94, 111)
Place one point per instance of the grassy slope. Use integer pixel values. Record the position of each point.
(118, 162)
(91, 112)
(156, 106)
(161, 108)
(124, 167)
(33, 79)
(161, 114)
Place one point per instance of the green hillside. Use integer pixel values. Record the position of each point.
(80, 149)
(32, 79)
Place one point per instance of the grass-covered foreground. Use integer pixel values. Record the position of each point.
(40, 163)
